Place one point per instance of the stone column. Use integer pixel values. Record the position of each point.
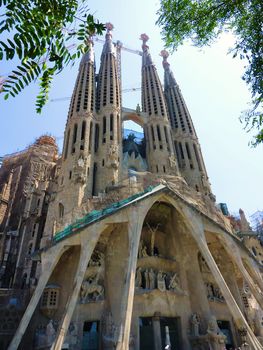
(197, 230)
(157, 333)
(88, 243)
(136, 219)
(49, 261)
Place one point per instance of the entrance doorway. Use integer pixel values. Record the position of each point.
(146, 333)
(90, 339)
(225, 328)
(170, 332)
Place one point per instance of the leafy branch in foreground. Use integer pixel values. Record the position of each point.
(202, 21)
(45, 36)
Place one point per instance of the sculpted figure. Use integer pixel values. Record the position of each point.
(216, 338)
(146, 277)
(210, 292)
(140, 249)
(50, 332)
(175, 284)
(195, 324)
(138, 278)
(161, 281)
(91, 288)
(151, 279)
(144, 252)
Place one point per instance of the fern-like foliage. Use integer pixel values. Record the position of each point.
(45, 36)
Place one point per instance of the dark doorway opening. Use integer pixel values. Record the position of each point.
(90, 339)
(146, 333)
(226, 330)
(171, 329)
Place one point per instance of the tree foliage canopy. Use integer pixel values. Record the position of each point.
(45, 36)
(202, 21)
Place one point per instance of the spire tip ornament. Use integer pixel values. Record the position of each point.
(165, 54)
(109, 26)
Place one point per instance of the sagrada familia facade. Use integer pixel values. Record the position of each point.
(118, 244)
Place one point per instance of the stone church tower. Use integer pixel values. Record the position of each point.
(160, 150)
(134, 257)
(186, 144)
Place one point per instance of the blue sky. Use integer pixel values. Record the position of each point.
(210, 81)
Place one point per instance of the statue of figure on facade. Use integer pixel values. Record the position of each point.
(140, 249)
(50, 332)
(96, 259)
(147, 280)
(144, 252)
(195, 324)
(138, 278)
(216, 338)
(161, 281)
(202, 263)
(174, 284)
(91, 290)
(151, 279)
(112, 156)
(172, 161)
(210, 292)
(218, 295)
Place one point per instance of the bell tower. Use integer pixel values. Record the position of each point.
(76, 175)
(108, 135)
(186, 144)
(159, 147)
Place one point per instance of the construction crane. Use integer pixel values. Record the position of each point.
(119, 47)
(60, 99)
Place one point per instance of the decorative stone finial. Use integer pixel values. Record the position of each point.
(144, 37)
(165, 54)
(109, 26)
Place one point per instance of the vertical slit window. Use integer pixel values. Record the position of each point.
(177, 152)
(181, 150)
(153, 137)
(159, 133)
(166, 134)
(90, 135)
(111, 127)
(67, 143)
(74, 138)
(104, 130)
(83, 131)
(96, 141)
(197, 158)
(188, 151)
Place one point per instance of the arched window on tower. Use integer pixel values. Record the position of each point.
(83, 132)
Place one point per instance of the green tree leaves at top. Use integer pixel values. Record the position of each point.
(202, 21)
(45, 36)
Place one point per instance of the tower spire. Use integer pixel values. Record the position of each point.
(159, 141)
(108, 45)
(187, 147)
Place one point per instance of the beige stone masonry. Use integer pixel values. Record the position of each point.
(88, 243)
(49, 261)
(197, 230)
